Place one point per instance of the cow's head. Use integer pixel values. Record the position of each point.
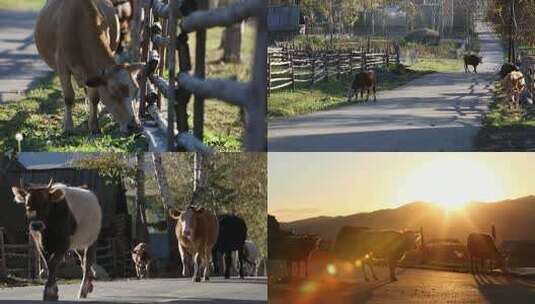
(187, 220)
(38, 201)
(410, 239)
(117, 88)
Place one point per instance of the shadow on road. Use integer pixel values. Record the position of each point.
(503, 289)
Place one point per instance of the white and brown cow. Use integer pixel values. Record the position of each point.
(78, 38)
(62, 218)
(141, 258)
(362, 244)
(196, 230)
(514, 84)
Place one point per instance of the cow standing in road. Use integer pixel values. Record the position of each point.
(232, 236)
(364, 80)
(472, 60)
(196, 230)
(360, 243)
(481, 248)
(62, 218)
(141, 258)
(78, 39)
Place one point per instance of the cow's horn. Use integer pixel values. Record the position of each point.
(50, 183)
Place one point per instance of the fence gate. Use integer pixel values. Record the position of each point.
(163, 29)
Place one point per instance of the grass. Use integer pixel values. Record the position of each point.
(22, 4)
(438, 65)
(329, 94)
(39, 115)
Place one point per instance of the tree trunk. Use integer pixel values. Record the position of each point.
(142, 232)
(199, 177)
(165, 194)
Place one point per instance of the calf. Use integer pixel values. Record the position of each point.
(472, 60)
(141, 258)
(481, 248)
(232, 236)
(62, 218)
(197, 231)
(364, 80)
(251, 259)
(360, 243)
(78, 39)
(514, 84)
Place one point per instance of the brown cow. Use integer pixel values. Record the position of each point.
(78, 38)
(472, 60)
(141, 258)
(196, 230)
(514, 84)
(364, 80)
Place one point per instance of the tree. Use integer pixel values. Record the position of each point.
(142, 232)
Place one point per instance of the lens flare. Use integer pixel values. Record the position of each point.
(331, 269)
(309, 287)
(358, 263)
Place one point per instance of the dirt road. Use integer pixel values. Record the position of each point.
(437, 112)
(413, 286)
(20, 65)
(249, 291)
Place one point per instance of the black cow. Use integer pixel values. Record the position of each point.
(62, 218)
(481, 248)
(508, 68)
(232, 236)
(472, 60)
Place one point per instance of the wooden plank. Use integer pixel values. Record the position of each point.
(3, 267)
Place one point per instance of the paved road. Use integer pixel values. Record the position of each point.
(415, 286)
(20, 65)
(249, 291)
(437, 112)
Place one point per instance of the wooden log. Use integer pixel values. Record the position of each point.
(3, 266)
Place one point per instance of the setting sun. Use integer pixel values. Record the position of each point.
(451, 182)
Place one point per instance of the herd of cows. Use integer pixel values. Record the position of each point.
(365, 247)
(513, 82)
(63, 219)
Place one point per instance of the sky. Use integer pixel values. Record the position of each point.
(304, 185)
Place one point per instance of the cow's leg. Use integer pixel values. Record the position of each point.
(392, 266)
(197, 263)
(68, 92)
(374, 93)
(228, 263)
(364, 271)
(89, 260)
(207, 258)
(475, 69)
(51, 288)
(241, 261)
(466, 68)
(367, 94)
(350, 94)
(93, 97)
(184, 260)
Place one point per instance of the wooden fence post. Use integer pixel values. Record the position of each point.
(350, 61)
(326, 65)
(172, 23)
(364, 64)
(3, 265)
(313, 70)
(292, 71)
(268, 76)
(338, 60)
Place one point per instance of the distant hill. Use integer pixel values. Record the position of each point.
(514, 220)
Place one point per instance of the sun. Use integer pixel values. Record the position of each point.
(451, 182)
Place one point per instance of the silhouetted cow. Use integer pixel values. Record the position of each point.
(508, 68)
(481, 248)
(360, 243)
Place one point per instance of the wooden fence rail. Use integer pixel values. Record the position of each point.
(287, 67)
(161, 44)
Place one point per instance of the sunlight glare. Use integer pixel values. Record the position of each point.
(451, 182)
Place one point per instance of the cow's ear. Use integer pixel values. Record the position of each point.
(20, 195)
(199, 209)
(56, 195)
(96, 81)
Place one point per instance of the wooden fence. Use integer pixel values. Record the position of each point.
(159, 43)
(287, 67)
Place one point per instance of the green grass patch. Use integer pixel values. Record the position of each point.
(440, 65)
(22, 4)
(39, 118)
(329, 94)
